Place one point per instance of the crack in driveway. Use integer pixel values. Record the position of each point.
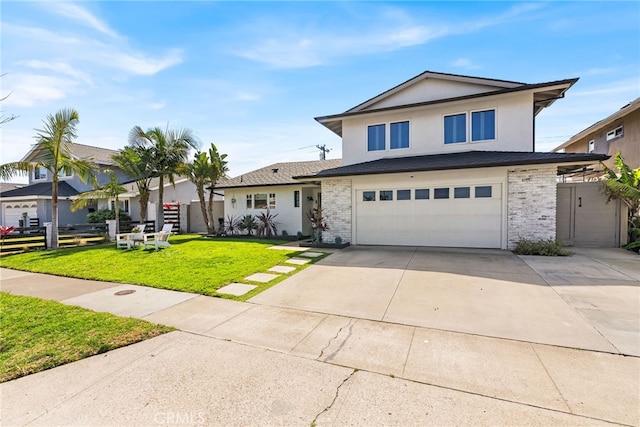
(315, 419)
(332, 355)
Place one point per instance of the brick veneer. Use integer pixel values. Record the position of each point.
(531, 204)
(336, 207)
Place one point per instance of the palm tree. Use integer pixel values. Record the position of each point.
(204, 172)
(169, 150)
(137, 163)
(625, 186)
(110, 190)
(52, 151)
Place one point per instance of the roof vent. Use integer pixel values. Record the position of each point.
(274, 170)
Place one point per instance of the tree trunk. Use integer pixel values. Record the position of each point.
(144, 203)
(160, 208)
(116, 206)
(203, 206)
(212, 222)
(54, 212)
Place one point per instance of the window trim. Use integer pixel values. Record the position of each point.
(296, 198)
(387, 136)
(613, 133)
(466, 128)
(495, 125)
(469, 126)
(591, 146)
(384, 137)
(40, 169)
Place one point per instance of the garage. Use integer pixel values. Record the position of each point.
(13, 212)
(461, 215)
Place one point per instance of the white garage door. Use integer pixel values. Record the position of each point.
(456, 216)
(13, 212)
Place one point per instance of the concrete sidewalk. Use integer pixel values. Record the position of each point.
(237, 363)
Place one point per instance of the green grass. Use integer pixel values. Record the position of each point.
(37, 334)
(192, 264)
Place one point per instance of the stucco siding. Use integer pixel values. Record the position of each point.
(531, 203)
(514, 129)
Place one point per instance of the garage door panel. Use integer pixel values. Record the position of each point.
(468, 222)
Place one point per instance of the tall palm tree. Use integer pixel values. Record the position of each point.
(205, 170)
(110, 190)
(218, 170)
(52, 151)
(137, 163)
(169, 151)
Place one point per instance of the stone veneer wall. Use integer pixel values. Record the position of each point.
(336, 207)
(531, 203)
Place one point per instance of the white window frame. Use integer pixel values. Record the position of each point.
(591, 146)
(271, 201)
(617, 132)
(387, 136)
(469, 121)
(41, 170)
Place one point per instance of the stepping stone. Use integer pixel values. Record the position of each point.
(282, 269)
(262, 277)
(311, 254)
(236, 289)
(297, 261)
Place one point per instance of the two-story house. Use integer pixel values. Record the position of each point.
(617, 133)
(445, 160)
(34, 200)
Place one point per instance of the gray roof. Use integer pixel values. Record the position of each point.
(464, 160)
(97, 154)
(41, 189)
(279, 174)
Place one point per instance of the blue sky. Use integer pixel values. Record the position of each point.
(251, 76)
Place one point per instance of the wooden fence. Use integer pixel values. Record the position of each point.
(35, 238)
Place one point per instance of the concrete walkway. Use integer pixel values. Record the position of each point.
(237, 363)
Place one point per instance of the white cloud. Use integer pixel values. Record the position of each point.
(241, 95)
(30, 89)
(391, 29)
(81, 15)
(157, 105)
(138, 63)
(58, 67)
(464, 63)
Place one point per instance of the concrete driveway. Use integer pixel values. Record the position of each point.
(588, 301)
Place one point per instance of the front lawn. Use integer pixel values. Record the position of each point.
(192, 263)
(38, 334)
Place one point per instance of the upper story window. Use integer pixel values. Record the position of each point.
(398, 136)
(592, 146)
(482, 127)
(616, 133)
(376, 138)
(63, 174)
(40, 173)
(455, 128)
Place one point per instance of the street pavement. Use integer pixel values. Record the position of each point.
(367, 336)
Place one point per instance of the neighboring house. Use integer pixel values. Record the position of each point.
(274, 188)
(182, 193)
(617, 133)
(34, 199)
(445, 160)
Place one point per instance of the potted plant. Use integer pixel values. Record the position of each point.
(136, 233)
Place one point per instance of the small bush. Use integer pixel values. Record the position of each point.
(541, 247)
(100, 216)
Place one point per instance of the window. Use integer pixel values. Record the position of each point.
(376, 138)
(368, 196)
(260, 201)
(616, 133)
(249, 201)
(272, 200)
(592, 146)
(422, 194)
(441, 193)
(455, 128)
(483, 125)
(296, 199)
(461, 193)
(40, 173)
(123, 204)
(63, 174)
(386, 195)
(399, 135)
(403, 195)
(483, 191)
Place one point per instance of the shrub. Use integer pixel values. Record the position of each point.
(247, 224)
(231, 225)
(267, 225)
(100, 216)
(541, 247)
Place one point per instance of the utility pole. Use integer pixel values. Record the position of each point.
(323, 151)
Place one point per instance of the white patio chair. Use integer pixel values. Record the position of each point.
(167, 228)
(124, 241)
(157, 240)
